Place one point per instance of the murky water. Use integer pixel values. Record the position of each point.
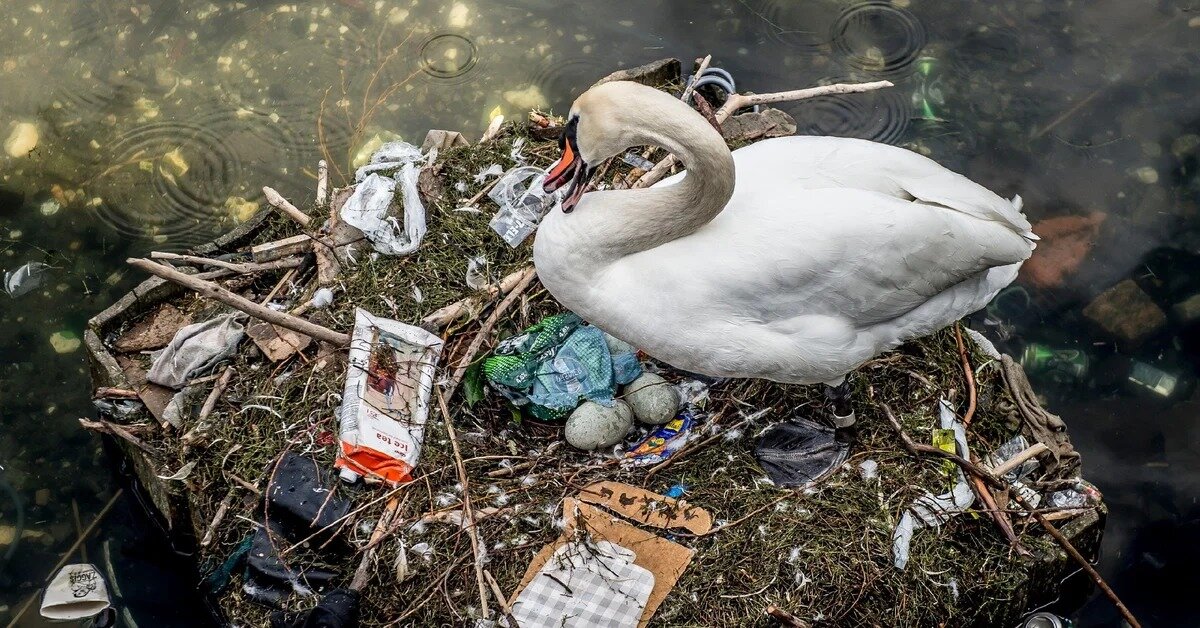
(157, 123)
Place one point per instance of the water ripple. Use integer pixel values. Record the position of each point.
(190, 170)
(881, 116)
(879, 38)
(801, 26)
(449, 58)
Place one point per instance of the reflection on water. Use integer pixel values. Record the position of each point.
(157, 123)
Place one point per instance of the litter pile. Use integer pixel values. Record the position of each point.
(414, 470)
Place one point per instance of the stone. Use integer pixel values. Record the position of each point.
(1065, 244)
(768, 122)
(65, 341)
(654, 74)
(1188, 310)
(23, 139)
(1126, 311)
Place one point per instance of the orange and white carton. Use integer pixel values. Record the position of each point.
(386, 399)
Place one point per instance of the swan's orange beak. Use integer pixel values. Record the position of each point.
(562, 170)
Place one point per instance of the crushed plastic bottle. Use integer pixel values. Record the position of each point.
(522, 203)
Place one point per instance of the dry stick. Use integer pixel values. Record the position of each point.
(210, 403)
(278, 202)
(118, 431)
(362, 573)
(738, 101)
(967, 466)
(501, 599)
(322, 183)
(472, 526)
(444, 316)
(980, 489)
(253, 267)
(691, 86)
(220, 516)
(213, 291)
(108, 392)
(1017, 460)
(529, 275)
(786, 618)
(970, 373)
(202, 261)
(67, 555)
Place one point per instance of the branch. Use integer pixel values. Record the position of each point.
(738, 101)
(213, 291)
(287, 209)
(469, 516)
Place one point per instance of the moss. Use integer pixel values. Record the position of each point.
(823, 553)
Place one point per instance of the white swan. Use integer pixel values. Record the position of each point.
(820, 254)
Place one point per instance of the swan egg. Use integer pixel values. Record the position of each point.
(593, 426)
(653, 399)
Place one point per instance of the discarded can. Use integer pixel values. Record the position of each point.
(1046, 620)
(1153, 379)
(928, 95)
(1064, 366)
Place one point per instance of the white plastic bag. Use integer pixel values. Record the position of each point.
(522, 203)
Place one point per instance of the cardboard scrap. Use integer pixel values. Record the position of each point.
(665, 559)
(647, 507)
(154, 396)
(153, 331)
(276, 342)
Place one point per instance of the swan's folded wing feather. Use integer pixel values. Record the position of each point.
(834, 162)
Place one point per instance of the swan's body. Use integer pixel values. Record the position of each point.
(820, 254)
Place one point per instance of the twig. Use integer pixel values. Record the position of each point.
(970, 373)
(966, 465)
(738, 101)
(116, 430)
(213, 291)
(202, 261)
(1016, 461)
(217, 518)
(444, 316)
(504, 472)
(501, 600)
(471, 525)
(691, 86)
(362, 573)
(785, 618)
(67, 555)
(529, 275)
(492, 130)
(199, 430)
(108, 392)
(322, 183)
(278, 202)
(479, 195)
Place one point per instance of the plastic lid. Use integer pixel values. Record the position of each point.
(348, 476)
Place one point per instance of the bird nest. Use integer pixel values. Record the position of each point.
(823, 553)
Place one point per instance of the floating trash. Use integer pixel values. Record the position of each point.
(879, 38)
(1060, 365)
(25, 279)
(22, 140)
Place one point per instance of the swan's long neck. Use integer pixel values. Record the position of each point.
(618, 223)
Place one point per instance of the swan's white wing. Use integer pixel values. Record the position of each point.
(835, 162)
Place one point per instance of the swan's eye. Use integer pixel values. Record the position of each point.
(568, 132)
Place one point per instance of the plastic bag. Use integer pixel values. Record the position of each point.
(367, 208)
(930, 510)
(522, 203)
